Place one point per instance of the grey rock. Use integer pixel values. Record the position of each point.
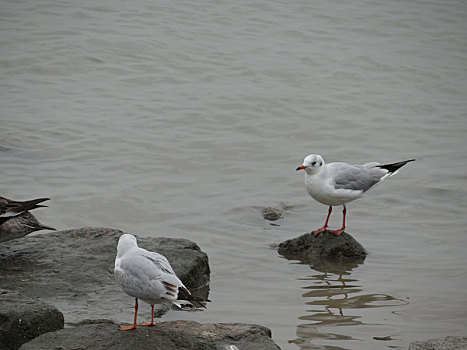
(21, 321)
(272, 214)
(73, 270)
(172, 335)
(446, 343)
(323, 248)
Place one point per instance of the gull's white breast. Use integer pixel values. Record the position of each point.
(322, 189)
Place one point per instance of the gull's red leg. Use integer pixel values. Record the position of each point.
(152, 318)
(338, 232)
(133, 326)
(318, 231)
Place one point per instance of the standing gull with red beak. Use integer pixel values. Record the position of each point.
(339, 183)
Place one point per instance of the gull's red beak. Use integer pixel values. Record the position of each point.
(301, 167)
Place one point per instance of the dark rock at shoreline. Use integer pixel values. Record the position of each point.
(21, 321)
(446, 343)
(272, 214)
(171, 335)
(324, 247)
(73, 270)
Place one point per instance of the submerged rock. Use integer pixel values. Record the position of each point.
(324, 247)
(171, 335)
(21, 321)
(73, 270)
(446, 343)
(272, 214)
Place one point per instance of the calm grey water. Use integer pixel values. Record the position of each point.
(185, 118)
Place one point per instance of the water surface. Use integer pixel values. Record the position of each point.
(184, 119)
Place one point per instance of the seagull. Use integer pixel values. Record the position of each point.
(339, 183)
(148, 276)
(15, 219)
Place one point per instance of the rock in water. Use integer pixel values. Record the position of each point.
(21, 321)
(272, 214)
(447, 343)
(324, 247)
(171, 335)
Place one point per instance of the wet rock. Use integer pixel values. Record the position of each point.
(323, 248)
(272, 214)
(172, 335)
(73, 270)
(446, 343)
(21, 321)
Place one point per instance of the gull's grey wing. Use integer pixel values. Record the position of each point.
(161, 265)
(159, 261)
(354, 177)
(147, 275)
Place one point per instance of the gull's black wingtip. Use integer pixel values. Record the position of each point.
(393, 167)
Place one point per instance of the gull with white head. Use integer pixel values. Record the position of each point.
(339, 183)
(148, 276)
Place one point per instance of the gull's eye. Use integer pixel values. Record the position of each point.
(313, 164)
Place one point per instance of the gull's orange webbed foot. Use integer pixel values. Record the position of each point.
(149, 324)
(127, 328)
(318, 231)
(337, 232)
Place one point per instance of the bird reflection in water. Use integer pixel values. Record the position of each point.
(331, 294)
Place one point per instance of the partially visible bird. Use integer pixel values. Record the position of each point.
(148, 276)
(339, 183)
(15, 219)
(10, 207)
